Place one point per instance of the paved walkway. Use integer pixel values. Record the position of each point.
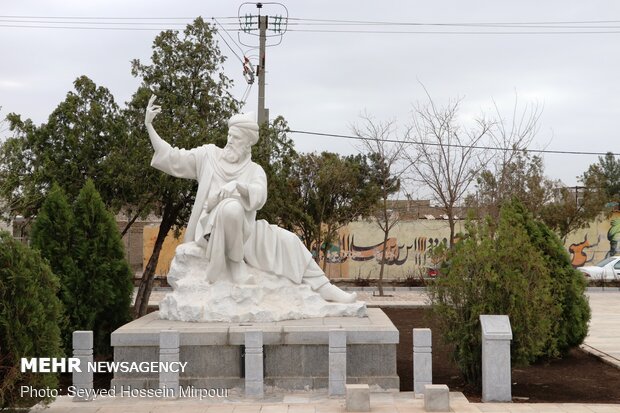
(604, 336)
(316, 402)
(603, 340)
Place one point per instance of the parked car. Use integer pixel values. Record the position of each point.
(608, 269)
(432, 271)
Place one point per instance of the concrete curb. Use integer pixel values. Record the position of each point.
(604, 357)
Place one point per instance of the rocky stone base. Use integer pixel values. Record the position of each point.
(263, 297)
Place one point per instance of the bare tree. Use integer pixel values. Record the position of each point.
(514, 133)
(511, 135)
(445, 155)
(385, 154)
(515, 172)
(3, 125)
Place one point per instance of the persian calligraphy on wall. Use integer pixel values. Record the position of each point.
(395, 254)
(358, 251)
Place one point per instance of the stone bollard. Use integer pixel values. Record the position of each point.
(83, 350)
(169, 353)
(496, 337)
(337, 361)
(422, 360)
(254, 363)
(436, 398)
(358, 397)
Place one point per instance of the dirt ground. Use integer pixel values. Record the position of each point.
(578, 378)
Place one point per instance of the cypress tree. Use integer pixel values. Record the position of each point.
(568, 285)
(52, 235)
(103, 287)
(521, 270)
(568, 291)
(29, 313)
(499, 272)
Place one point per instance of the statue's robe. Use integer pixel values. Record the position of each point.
(265, 247)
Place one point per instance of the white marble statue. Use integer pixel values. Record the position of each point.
(227, 245)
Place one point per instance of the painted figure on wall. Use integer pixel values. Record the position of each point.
(579, 256)
(613, 235)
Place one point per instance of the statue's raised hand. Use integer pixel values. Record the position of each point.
(152, 110)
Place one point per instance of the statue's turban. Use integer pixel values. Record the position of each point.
(247, 124)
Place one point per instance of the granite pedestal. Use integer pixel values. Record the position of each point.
(496, 374)
(296, 352)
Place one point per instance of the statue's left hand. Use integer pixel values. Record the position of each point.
(228, 190)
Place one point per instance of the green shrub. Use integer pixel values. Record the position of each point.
(568, 285)
(52, 235)
(85, 250)
(500, 273)
(568, 291)
(103, 285)
(29, 314)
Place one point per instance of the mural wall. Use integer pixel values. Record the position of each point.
(358, 251)
(167, 251)
(359, 248)
(600, 240)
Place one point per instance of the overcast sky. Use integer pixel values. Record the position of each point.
(323, 81)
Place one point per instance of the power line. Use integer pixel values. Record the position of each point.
(579, 26)
(87, 28)
(230, 37)
(374, 22)
(124, 22)
(367, 22)
(452, 32)
(47, 26)
(99, 23)
(492, 148)
(313, 25)
(246, 94)
(535, 26)
(107, 17)
(231, 49)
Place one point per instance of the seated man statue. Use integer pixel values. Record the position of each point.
(231, 188)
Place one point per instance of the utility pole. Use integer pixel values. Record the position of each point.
(263, 114)
(278, 26)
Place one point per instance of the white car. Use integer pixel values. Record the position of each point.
(608, 269)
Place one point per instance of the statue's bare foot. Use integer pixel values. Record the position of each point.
(191, 249)
(330, 292)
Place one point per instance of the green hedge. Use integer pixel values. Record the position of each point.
(84, 248)
(520, 270)
(29, 314)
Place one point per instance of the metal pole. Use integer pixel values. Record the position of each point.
(262, 115)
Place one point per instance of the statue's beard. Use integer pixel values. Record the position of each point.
(232, 154)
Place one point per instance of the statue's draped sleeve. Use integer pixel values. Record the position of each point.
(257, 191)
(181, 163)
